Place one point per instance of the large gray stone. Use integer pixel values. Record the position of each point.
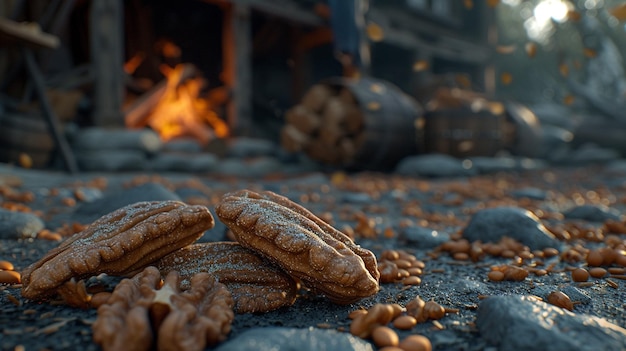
(91, 211)
(434, 165)
(491, 224)
(524, 323)
(593, 213)
(17, 225)
(294, 339)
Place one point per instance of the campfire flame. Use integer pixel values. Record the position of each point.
(181, 112)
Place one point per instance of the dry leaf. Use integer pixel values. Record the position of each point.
(25, 160)
(531, 49)
(590, 53)
(375, 32)
(505, 49)
(573, 15)
(463, 80)
(469, 4)
(564, 69)
(568, 99)
(619, 12)
(420, 65)
(493, 3)
(506, 78)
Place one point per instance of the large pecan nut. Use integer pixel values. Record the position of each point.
(368, 257)
(120, 243)
(256, 284)
(298, 245)
(143, 312)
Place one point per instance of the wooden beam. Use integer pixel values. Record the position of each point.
(107, 55)
(237, 63)
(28, 34)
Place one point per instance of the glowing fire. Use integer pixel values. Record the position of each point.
(181, 112)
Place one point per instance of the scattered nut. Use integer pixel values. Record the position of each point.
(580, 275)
(119, 243)
(255, 283)
(560, 299)
(6, 266)
(326, 260)
(597, 272)
(10, 277)
(416, 343)
(404, 322)
(385, 336)
(144, 312)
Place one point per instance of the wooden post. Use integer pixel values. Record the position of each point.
(238, 67)
(107, 55)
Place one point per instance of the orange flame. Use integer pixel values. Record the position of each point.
(181, 112)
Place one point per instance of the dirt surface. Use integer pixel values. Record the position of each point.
(390, 204)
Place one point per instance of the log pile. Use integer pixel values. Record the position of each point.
(328, 125)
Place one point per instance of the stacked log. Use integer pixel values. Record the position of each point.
(328, 125)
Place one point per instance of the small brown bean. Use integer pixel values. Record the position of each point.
(616, 270)
(560, 299)
(416, 343)
(550, 252)
(6, 266)
(461, 256)
(597, 272)
(495, 276)
(412, 280)
(385, 336)
(10, 277)
(580, 275)
(595, 258)
(404, 322)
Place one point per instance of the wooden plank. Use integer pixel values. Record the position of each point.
(29, 34)
(107, 55)
(237, 75)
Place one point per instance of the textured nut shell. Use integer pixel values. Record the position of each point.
(255, 283)
(119, 243)
(194, 319)
(299, 246)
(369, 259)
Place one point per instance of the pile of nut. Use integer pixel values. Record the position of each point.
(280, 245)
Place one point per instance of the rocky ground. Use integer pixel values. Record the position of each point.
(434, 208)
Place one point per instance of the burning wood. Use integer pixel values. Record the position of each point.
(175, 109)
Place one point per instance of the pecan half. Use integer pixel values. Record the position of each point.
(120, 243)
(144, 311)
(256, 284)
(298, 245)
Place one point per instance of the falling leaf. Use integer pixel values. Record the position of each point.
(564, 69)
(377, 88)
(619, 12)
(373, 106)
(25, 160)
(573, 15)
(577, 64)
(375, 32)
(469, 4)
(506, 78)
(568, 99)
(590, 53)
(505, 49)
(531, 49)
(420, 65)
(493, 3)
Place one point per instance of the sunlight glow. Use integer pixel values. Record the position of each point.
(539, 27)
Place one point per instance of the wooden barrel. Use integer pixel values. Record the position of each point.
(461, 132)
(25, 136)
(355, 124)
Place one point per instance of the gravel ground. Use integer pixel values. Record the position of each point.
(392, 209)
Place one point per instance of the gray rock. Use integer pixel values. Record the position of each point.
(356, 198)
(524, 323)
(434, 165)
(494, 164)
(530, 193)
(249, 168)
(293, 339)
(593, 213)
(491, 224)
(111, 160)
(424, 238)
(182, 162)
(17, 225)
(590, 153)
(576, 295)
(242, 147)
(91, 211)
